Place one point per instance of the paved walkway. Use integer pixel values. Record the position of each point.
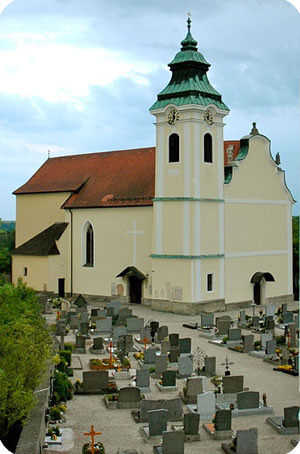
(119, 429)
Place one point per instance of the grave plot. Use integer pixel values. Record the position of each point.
(246, 345)
(206, 406)
(190, 427)
(157, 424)
(220, 427)
(173, 406)
(247, 403)
(143, 380)
(95, 382)
(193, 387)
(168, 381)
(245, 442)
(172, 443)
(127, 398)
(288, 424)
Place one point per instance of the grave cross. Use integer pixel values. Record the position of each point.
(110, 347)
(134, 232)
(145, 342)
(92, 434)
(198, 356)
(226, 364)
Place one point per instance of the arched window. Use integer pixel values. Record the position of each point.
(208, 152)
(88, 245)
(174, 148)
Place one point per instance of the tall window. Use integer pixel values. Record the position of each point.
(208, 152)
(209, 282)
(174, 148)
(89, 246)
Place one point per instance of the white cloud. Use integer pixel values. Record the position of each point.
(4, 4)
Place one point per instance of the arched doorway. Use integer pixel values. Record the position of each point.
(258, 279)
(135, 283)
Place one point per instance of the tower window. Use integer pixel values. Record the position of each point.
(89, 245)
(25, 271)
(209, 282)
(208, 153)
(174, 148)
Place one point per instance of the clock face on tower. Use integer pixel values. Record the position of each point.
(173, 117)
(208, 117)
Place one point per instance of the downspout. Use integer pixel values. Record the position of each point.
(71, 257)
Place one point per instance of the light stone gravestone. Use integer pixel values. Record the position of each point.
(162, 333)
(223, 326)
(271, 347)
(69, 315)
(161, 364)
(104, 326)
(165, 346)
(293, 337)
(270, 310)
(234, 334)
(145, 334)
(243, 317)
(84, 317)
(60, 327)
(264, 337)
(119, 331)
(74, 322)
(149, 356)
(185, 366)
(248, 343)
(207, 320)
(134, 325)
(116, 305)
(206, 405)
(194, 386)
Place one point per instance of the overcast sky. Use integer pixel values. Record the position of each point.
(79, 76)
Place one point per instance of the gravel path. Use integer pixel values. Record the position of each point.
(119, 429)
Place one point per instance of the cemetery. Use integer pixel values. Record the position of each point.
(119, 361)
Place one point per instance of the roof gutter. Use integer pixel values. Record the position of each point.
(71, 258)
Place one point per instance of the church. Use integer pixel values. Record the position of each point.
(193, 224)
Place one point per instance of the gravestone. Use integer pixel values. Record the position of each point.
(284, 308)
(142, 378)
(174, 354)
(60, 327)
(223, 326)
(233, 384)
(173, 442)
(270, 310)
(207, 320)
(290, 418)
(255, 321)
(234, 334)
(80, 344)
(185, 366)
(270, 324)
(125, 311)
(104, 326)
(271, 347)
(243, 317)
(195, 385)
(129, 397)
(247, 442)
(264, 337)
(84, 328)
(210, 365)
(94, 312)
(157, 421)
(206, 405)
(185, 345)
(125, 343)
(116, 305)
(293, 336)
(247, 399)
(81, 302)
(80, 310)
(74, 322)
(162, 333)
(223, 420)
(149, 356)
(287, 317)
(169, 378)
(145, 334)
(165, 346)
(119, 331)
(248, 343)
(110, 312)
(161, 364)
(84, 317)
(173, 407)
(95, 381)
(174, 339)
(98, 343)
(191, 423)
(134, 324)
(69, 315)
(285, 355)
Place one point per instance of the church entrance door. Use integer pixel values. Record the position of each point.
(135, 290)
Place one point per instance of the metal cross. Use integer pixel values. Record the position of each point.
(134, 232)
(198, 356)
(226, 364)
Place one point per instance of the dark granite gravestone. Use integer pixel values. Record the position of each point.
(234, 334)
(149, 356)
(161, 364)
(95, 381)
(169, 378)
(142, 378)
(69, 315)
(185, 345)
(270, 324)
(157, 421)
(74, 322)
(80, 310)
(191, 423)
(104, 326)
(80, 344)
(291, 417)
(173, 407)
(248, 343)
(233, 383)
(173, 442)
(125, 343)
(268, 318)
(110, 312)
(60, 327)
(162, 333)
(293, 336)
(84, 328)
(247, 442)
(119, 331)
(174, 339)
(98, 343)
(223, 420)
(255, 321)
(174, 354)
(207, 320)
(210, 365)
(287, 317)
(84, 317)
(247, 399)
(134, 324)
(94, 312)
(185, 366)
(165, 346)
(284, 307)
(129, 394)
(271, 347)
(223, 326)
(195, 386)
(80, 301)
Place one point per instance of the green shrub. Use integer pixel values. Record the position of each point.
(225, 339)
(151, 370)
(54, 414)
(63, 386)
(67, 355)
(62, 365)
(69, 346)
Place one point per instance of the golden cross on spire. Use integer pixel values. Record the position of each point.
(92, 434)
(189, 14)
(189, 20)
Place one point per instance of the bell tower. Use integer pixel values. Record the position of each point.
(188, 238)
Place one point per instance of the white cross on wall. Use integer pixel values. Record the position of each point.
(134, 232)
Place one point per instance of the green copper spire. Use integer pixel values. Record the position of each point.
(189, 83)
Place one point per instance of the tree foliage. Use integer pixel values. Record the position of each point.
(7, 243)
(25, 347)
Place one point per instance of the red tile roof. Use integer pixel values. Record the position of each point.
(110, 179)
